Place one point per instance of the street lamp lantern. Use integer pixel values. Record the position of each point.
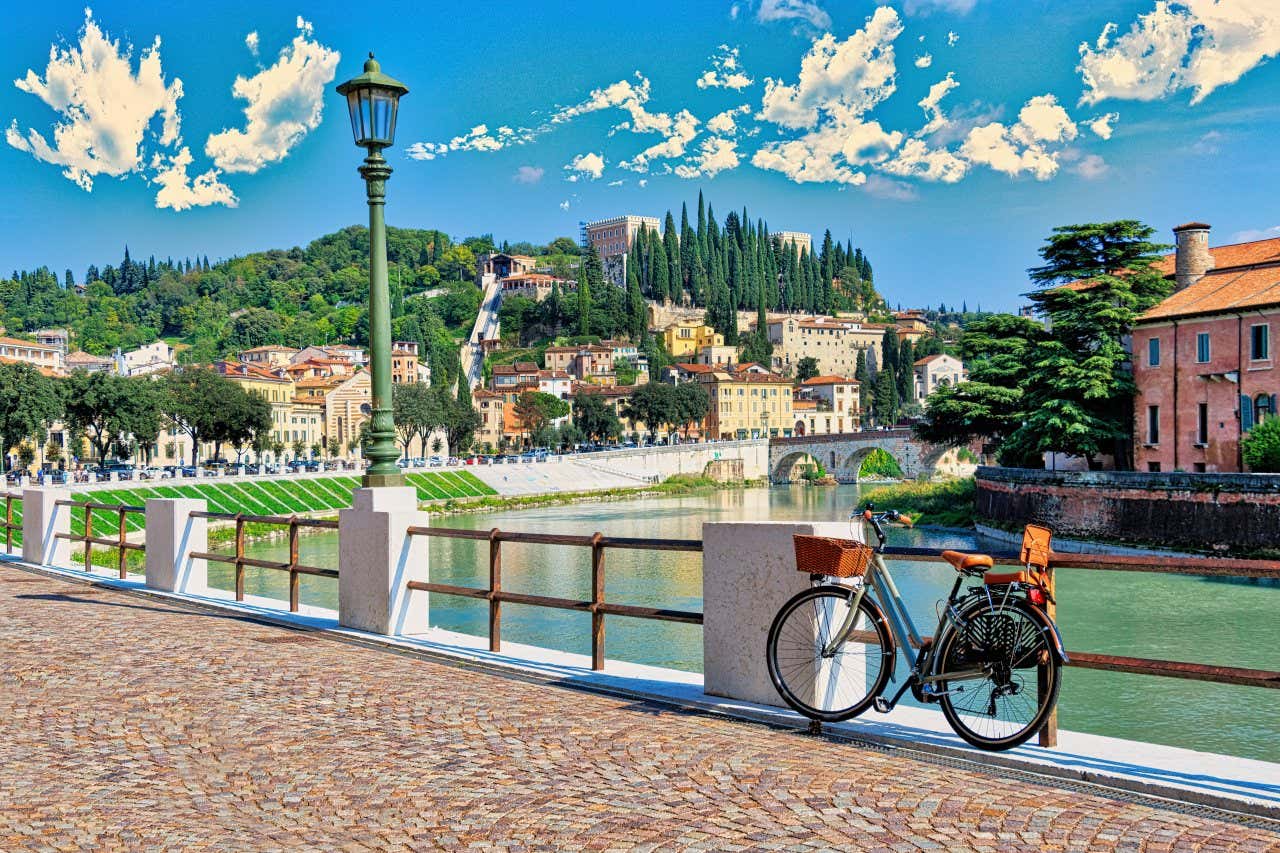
(373, 100)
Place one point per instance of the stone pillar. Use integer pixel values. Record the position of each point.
(42, 520)
(172, 534)
(376, 558)
(748, 573)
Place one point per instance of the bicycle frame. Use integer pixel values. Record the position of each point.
(879, 580)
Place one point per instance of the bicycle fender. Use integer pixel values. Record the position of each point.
(1051, 628)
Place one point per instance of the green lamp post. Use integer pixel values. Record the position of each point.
(372, 100)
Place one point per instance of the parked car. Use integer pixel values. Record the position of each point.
(435, 461)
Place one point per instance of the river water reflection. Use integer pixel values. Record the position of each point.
(1164, 617)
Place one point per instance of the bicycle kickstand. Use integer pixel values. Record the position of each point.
(884, 706)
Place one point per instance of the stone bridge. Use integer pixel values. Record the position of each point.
(842, 454)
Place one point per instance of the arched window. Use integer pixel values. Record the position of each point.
(1263, 407)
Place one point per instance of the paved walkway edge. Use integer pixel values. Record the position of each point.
(684, 690)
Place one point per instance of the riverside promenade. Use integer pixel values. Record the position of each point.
(133, 722)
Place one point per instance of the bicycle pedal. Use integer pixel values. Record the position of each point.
(882, 705)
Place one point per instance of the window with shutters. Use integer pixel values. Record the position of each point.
(1260, 342)
(1263, 407)
(1153, 352)
(1202, 348)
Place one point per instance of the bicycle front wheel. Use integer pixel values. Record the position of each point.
(824, 683)
(1021, 677)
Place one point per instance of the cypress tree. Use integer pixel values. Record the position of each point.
(661, 271)
(906, 370)
(671, 248)
(635, 306)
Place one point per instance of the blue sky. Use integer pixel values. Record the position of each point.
(946, 137)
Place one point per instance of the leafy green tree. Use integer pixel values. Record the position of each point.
(28, 401)
(807, 368)
(208, 407)
(537, 409)
(334, 447)
(417, 411)
(691, 405)
(1261, 447)
(111, 410)
(990, 405)
(460, 419)
(300, 447)
(1095, 281)
(594, 417)
(653, 404)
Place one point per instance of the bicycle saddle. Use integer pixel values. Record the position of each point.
(968, 563)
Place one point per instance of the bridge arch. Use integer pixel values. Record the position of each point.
(853, 464)
(790, 466)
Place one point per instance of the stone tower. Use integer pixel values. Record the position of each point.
(1193, 258)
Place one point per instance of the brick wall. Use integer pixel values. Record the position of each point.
(1238, 513)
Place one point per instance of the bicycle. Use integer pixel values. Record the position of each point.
(993, 664)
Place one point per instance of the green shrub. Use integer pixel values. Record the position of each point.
(948, 503)
(1261, 447)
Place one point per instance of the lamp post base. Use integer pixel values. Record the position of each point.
(379, 481)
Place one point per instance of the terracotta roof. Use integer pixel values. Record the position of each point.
(20, 343)
(693, 368)
(272, 348)
(82, 357)
(830, 380)
(928, 358)
(44, 371)
(1219, 292)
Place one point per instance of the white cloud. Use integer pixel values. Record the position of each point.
(528, 174)
(887, 188)
(993, 145)
(790, 10)
(1091, 167)
(952, 38)
(108, 111)
(1209, 143)
(479, 138)
(726, 123)
(678, 131)
(617, 183)
(251, 42)
(813, 158)
(925, 7)
(838, 78)
(924, 60)
(1256, 234)
(1200, 45)
(725, 72)
(589, 165)
(179, 192)
(930, 103)
(917, 160)
(715, 155)
(644, 182)
(1102, 125)
(1043, 120)
(285, 103)
(564, 205)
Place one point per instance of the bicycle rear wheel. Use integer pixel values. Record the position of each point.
(1020, 689)
(836, 684)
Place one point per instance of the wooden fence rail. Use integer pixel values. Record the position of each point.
(292, 566)
(596, 606)
(122, 545)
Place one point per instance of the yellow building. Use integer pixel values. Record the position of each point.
(688, 337)
(273, 386)
(747, 404)
(306, 424)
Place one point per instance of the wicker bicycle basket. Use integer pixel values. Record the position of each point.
(837, 558)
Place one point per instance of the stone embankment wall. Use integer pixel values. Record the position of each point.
(1237, 513)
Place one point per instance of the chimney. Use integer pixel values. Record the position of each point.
(1192, 259)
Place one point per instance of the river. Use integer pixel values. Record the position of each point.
(1134, 614)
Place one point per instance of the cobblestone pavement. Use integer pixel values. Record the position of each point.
(128, 723)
